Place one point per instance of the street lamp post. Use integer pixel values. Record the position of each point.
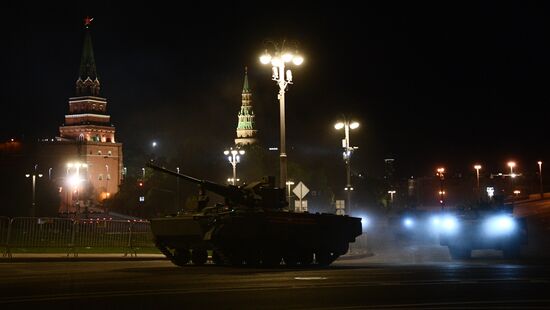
(441, 174)
(512, 164)
(477, 167)
(391, 192)
(540, 180)
(282, 78)
(177, 190)
(288, 184)
(348, 150)
(74, 182)
(234, 157)
(34, 211)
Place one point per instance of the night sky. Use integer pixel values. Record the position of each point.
(434, 84)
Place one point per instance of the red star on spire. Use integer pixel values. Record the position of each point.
(88, 21)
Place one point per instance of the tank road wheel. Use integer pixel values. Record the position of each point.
(325, 257)
(305, 258)
(199, 256)
(181, 257)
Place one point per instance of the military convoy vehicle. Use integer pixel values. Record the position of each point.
(480, 229)
(253, 227)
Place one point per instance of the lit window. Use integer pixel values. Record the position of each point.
(100, 177)
(108, 176)
(98, 152)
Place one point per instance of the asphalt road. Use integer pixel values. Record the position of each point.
(350, 284)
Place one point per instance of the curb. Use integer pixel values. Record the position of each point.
(49, 259)
(355, 256)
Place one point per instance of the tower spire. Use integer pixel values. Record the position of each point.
(88, 81)
(246, 88)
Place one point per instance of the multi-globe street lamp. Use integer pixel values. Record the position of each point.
(234, 157)
(34, 211)
(280, 56)
(348, 151)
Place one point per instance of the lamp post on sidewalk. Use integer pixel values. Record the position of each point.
(34, 209)
(281, 55)
(234, 157)
(477, 167)
(540, 179)
(348, 151)
(441, 174)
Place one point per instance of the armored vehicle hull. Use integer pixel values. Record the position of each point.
(480, 230)
(268, 238)
(252, 227)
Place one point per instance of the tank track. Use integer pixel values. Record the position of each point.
(223, 259)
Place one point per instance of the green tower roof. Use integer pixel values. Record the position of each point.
(246, 88)
(87, 62)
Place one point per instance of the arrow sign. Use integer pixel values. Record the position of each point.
(300, 190)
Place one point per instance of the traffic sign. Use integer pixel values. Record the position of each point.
(300, 190)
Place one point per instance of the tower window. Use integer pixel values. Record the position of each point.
(98, 152)
(100, 177)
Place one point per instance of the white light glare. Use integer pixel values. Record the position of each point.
(298, 60)
(500, 225)
(339, 125)
(408, 222)
(447, 224)
(287, 57)
(265, 58)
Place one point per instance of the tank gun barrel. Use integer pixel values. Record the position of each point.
(232, 193)
(179, 175)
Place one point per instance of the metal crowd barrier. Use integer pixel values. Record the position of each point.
(4, 229)
(27, 232)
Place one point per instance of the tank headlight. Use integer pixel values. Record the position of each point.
(408, 222)
(499, 225)
(448, 225)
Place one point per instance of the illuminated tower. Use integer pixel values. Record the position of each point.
(246, 134)
(87, 119)
(88, 136)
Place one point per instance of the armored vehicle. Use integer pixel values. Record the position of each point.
(482, 228)
(253, 227)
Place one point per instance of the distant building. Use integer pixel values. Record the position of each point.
(246, 132)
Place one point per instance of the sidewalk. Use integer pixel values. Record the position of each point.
(62, 257)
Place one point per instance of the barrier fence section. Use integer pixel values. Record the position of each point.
(4, 229)
(32, 232)
(28, 232)
(142, 237)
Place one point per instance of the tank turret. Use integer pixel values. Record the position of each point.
(259, 194)
(253, 227)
